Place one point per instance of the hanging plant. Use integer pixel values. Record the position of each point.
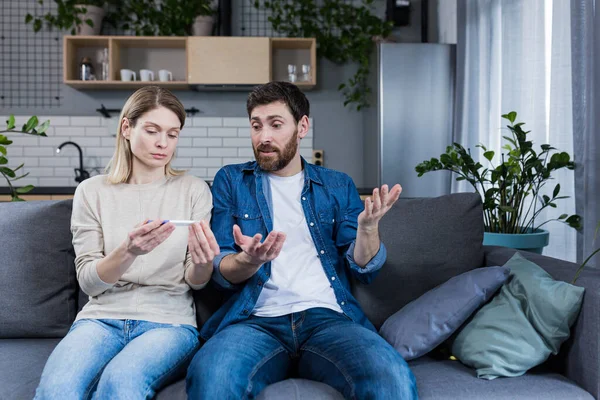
(344, 33)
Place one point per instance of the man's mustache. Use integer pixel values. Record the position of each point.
(266, 148)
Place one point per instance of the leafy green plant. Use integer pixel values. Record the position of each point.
(344, 33)
(582, 266)
(162, 18)
(68, 15)
(505, 187)
(31, 127)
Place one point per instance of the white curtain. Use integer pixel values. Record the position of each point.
(515, 55)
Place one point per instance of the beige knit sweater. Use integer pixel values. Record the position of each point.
(154, 288)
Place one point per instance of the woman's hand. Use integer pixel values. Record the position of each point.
(202, 244)
(147, 236)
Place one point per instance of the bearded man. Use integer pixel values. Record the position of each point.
(291, 234)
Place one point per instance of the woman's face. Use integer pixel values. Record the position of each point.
(154, 137)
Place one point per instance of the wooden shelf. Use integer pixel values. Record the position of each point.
(174, 85)
(297, 51)
(196, 62)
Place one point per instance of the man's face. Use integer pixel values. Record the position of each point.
(274, 136)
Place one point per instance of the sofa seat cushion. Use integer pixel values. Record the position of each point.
(299, 389)
(452, 380)
(21, 365)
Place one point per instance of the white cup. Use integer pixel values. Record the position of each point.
(146, 75)
(165, 75)
(128, 75)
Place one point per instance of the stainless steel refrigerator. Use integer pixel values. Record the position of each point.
(411, 116)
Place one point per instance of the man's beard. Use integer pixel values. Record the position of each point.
(277, 161)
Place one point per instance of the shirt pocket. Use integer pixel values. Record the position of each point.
(250, 220)
(328, 221)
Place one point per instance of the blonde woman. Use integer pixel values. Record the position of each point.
(138, 331)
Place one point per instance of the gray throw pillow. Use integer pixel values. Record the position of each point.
(426, 322)
(38, 287)
(525, 322)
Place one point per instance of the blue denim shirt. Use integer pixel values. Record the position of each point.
(242, 196)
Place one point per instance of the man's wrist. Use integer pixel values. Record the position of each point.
(369, 228)
(245, 259)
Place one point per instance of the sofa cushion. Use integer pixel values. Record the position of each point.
(38, 288)
(426, 322)
(299, 389)
(428, 241)
(451, 380)
(524, 323)
(21, 364)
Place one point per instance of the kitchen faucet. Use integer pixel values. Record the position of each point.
(80, 173)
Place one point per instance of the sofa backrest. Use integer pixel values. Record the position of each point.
(38, 289)
(428, 241)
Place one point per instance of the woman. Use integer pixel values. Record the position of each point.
(138, 330)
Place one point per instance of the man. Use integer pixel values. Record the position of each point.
(291, 309)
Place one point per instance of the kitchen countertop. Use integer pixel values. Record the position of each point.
(45, 190)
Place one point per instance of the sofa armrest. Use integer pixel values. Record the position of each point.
(579, 357)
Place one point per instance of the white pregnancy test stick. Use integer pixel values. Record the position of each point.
(179, 222)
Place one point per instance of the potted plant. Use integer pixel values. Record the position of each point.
(31, 127)
(80, 17)
(203, 23)
(510, 190)
(166, 17)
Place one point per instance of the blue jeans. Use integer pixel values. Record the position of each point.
(117, 359)
(316, 344)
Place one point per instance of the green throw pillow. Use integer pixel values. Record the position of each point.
(525, 322)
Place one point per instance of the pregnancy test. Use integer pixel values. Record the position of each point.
(178, 222)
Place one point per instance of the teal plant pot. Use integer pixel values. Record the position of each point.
(533, 242)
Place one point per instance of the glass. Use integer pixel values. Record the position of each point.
(292, 73)
(103, 61)
(305, 77)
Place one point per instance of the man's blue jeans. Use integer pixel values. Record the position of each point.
(317, 344)
(117, 359)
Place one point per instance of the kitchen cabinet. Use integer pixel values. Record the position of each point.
(196, 62)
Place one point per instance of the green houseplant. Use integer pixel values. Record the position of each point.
(507, 186)
(344, 33)
(31, 127)
(82, 17)
(162, 18)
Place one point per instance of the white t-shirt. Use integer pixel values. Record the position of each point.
(298, 281)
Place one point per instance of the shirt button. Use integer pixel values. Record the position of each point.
(312, 224)
(322, 251)
(303, 198)
(342, 303)
(245, 312)
(333, 220)
(333, 278)
(245, 215)
(259, 283)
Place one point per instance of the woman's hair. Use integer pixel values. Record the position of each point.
(143, 100)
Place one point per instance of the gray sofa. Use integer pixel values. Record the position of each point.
(428, 241)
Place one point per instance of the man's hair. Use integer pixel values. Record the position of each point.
(285, 92)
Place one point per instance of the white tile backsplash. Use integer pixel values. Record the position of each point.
(205, 145)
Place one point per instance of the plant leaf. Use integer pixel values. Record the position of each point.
(489, 155)
(3, 150)
(10, 123)
(24, 189)
(556, 190)
(7, 171)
